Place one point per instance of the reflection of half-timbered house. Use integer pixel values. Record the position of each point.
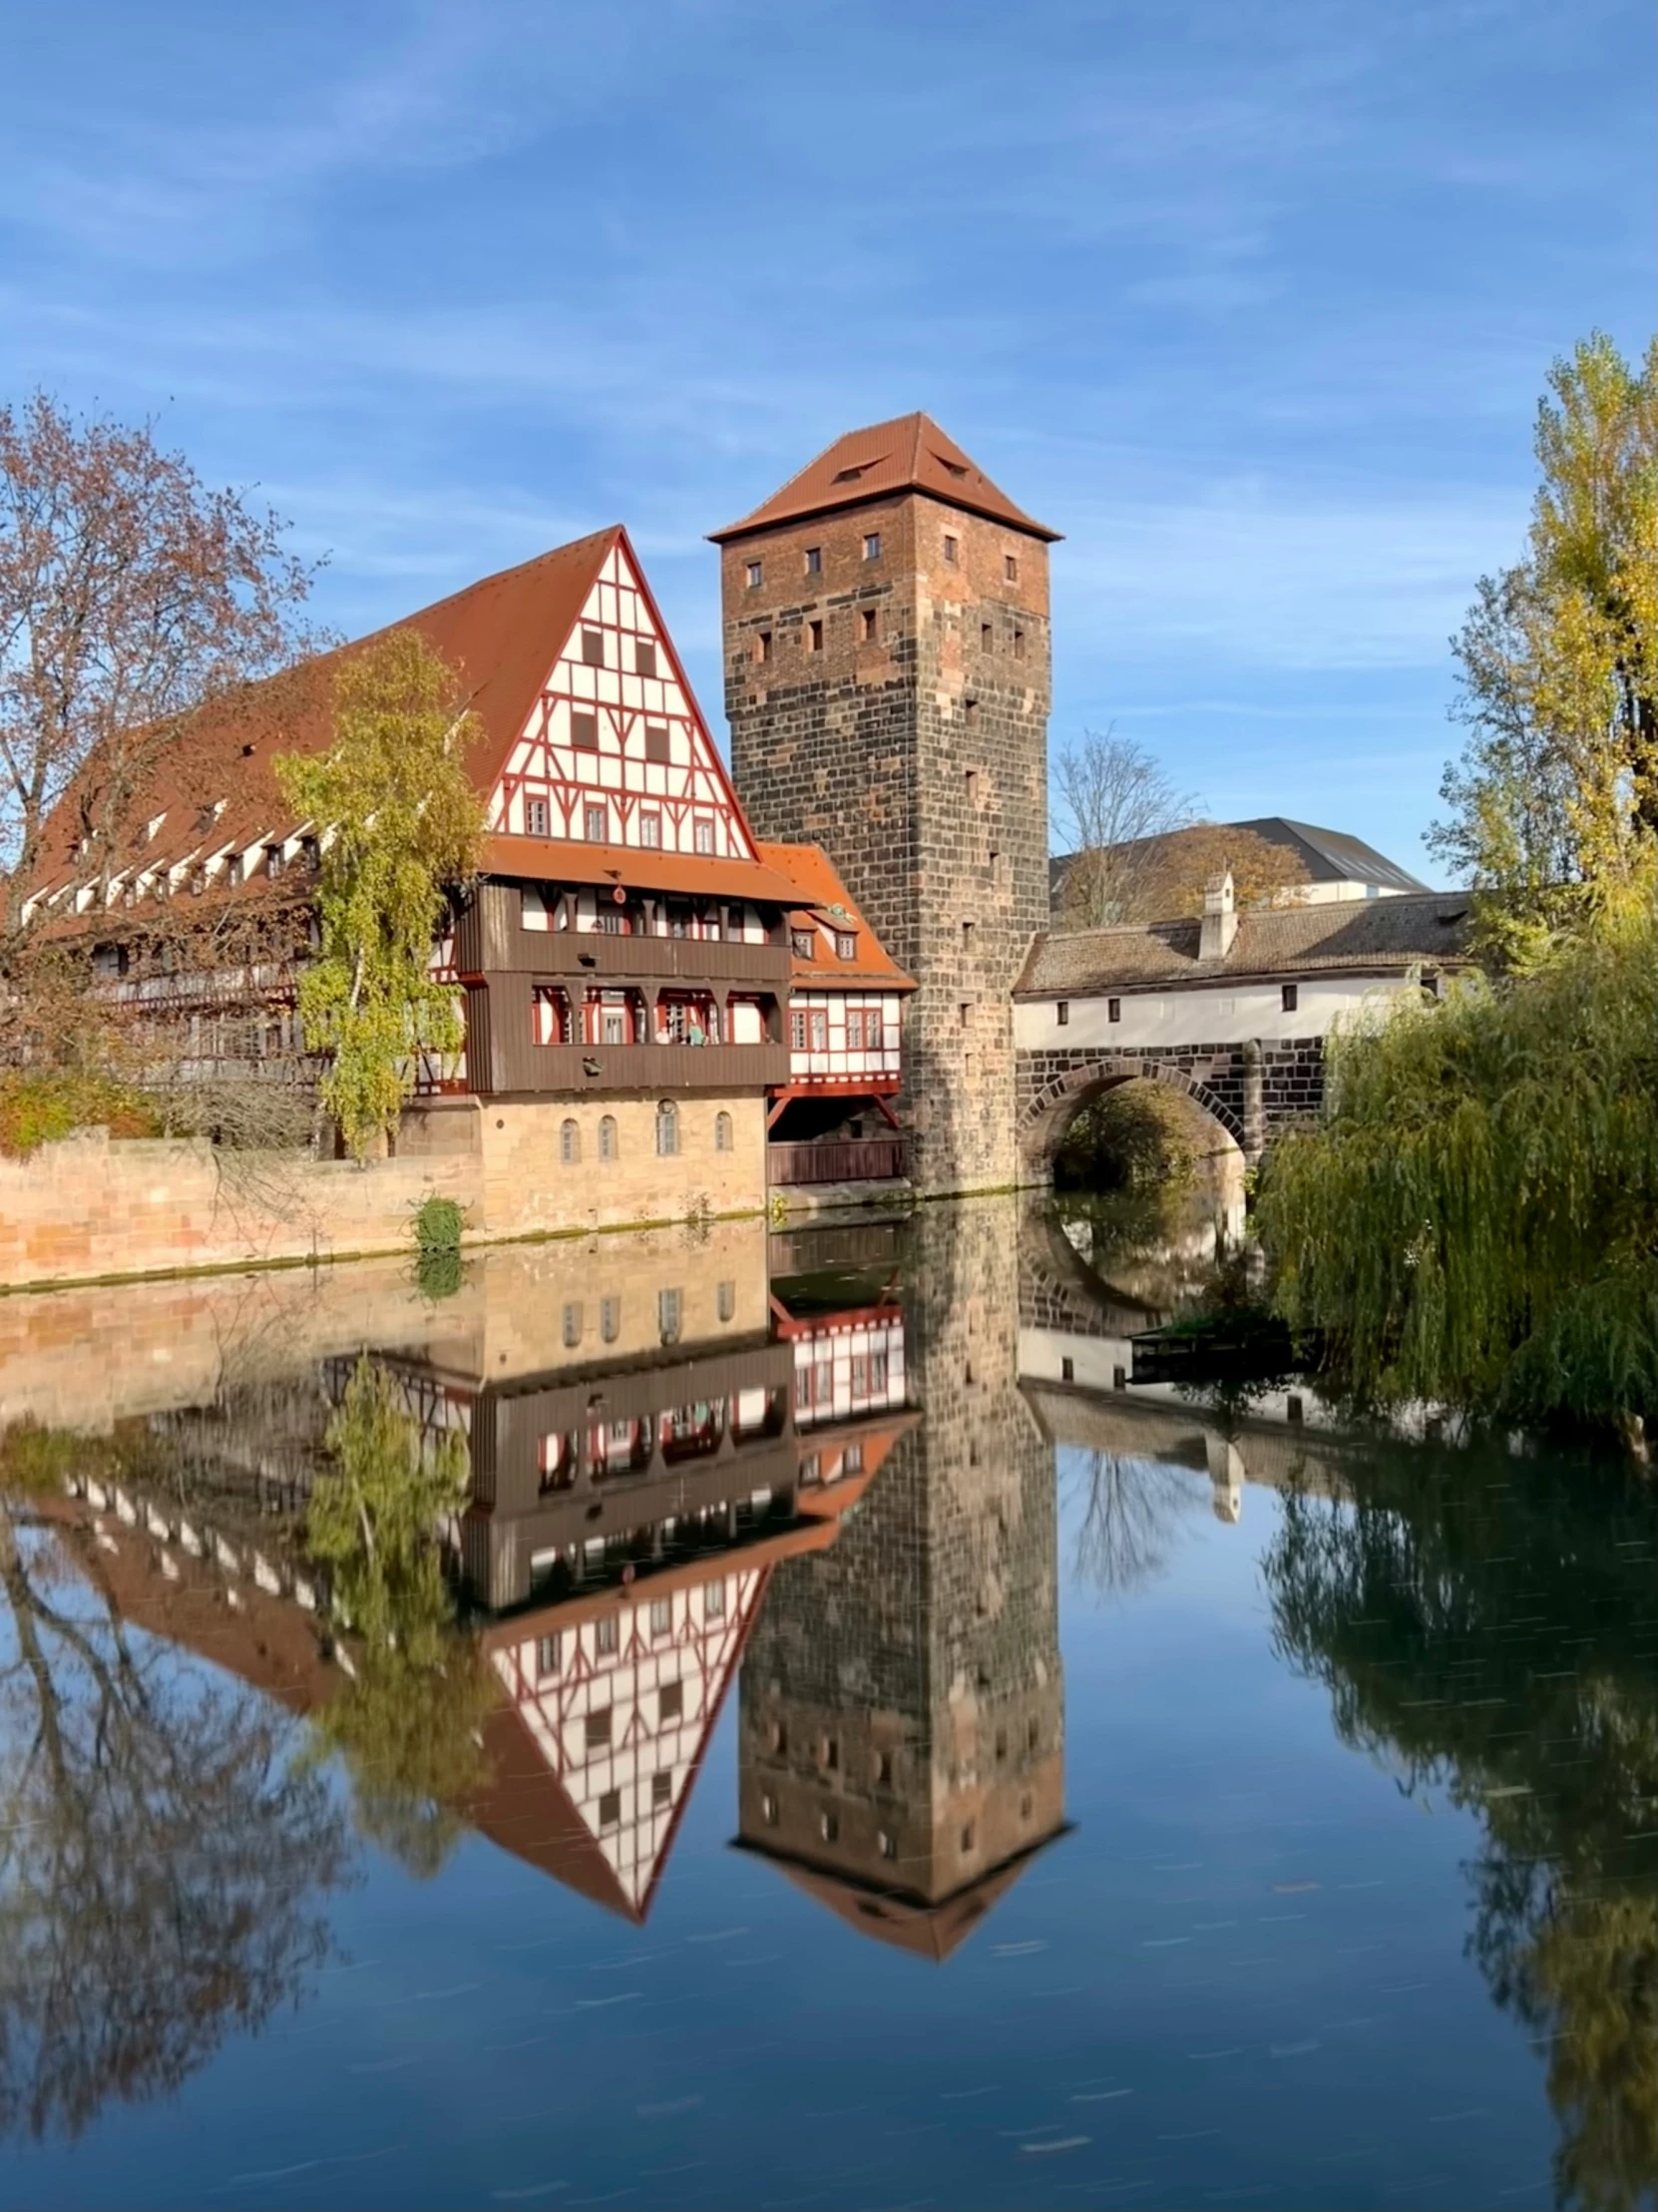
(627, 955)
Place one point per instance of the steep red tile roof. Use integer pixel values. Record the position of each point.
(502, 633)
(909, 454)
(818, 889)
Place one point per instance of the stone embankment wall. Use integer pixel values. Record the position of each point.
(91, 1207)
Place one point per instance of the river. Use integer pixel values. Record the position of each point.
(861, 1750)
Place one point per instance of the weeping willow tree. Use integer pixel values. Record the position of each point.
(1475, 1220)
(407, 1723)
(403, 823)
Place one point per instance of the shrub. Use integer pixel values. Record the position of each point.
(36, 1110)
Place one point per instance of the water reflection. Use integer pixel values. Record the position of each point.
(1489, 1632)
(901, 1728)
(496, 1564)
(165, 1852)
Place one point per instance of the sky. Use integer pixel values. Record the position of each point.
(1254, 303)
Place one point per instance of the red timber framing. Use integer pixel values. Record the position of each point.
(615, 751)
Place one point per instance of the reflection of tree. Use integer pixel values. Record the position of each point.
(407, 1722)
(1129, 1511)
(160, 1847)
(1490, 1636)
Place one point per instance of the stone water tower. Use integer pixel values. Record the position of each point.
(887, 682)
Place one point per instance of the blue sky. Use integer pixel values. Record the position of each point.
(1253, 303)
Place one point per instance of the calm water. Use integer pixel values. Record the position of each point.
(884, 1761)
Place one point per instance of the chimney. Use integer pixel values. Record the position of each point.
(1220, 919)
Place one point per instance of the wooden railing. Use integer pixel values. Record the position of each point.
(841, 1160)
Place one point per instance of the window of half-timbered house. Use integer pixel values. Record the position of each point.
(584, 732)
(593, 648)
(651, 830)
(644, 656)
(655, 742)
(535, 818)
(596, 824)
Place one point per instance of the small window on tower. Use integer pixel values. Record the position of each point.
(655, 742)
(584, 733)
(987, 638)
(970, 709)
(756, 575)
(1009, 567)
(762, 645)
(866, 624)
(644, 656)
(814, 636)
(814, 560)
(872, 546)
(593, 649)
(951, 549)
(966, 1011)
(1018, 645)
(973, 786)
(535, 818)
(966, 937)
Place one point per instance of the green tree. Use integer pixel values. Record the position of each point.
(1483, 1627)
(402, 824)
(407, 1722)
(1555, 796)
(1474, 1220)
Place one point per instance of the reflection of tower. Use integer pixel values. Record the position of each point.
(902, 1714)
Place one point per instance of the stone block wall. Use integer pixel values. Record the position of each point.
(90, 1206)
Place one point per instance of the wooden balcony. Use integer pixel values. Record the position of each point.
(595, 956)
(842, 1160)
(667, 1070)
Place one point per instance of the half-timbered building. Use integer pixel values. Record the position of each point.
(626, 945)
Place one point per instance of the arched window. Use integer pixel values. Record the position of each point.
(607, 1136)
(722, 1131)
(569, 1143)
(667, 1128)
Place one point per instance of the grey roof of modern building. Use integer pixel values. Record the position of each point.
(1325, 855)
(1363, 935)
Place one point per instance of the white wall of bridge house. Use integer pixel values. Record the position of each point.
(835, 1062)
(620, 1664)
(1226, 1015)
(681, 803)
(848, 1369)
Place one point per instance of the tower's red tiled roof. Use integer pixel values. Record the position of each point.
(909, 454)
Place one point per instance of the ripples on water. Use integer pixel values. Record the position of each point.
(855, 1748)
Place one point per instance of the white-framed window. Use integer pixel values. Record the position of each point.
(596, 824)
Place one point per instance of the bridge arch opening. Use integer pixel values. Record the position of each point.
(1051, 1118)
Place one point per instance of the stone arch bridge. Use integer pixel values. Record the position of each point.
(1232, 1008)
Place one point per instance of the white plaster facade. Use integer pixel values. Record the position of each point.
(1186, 1014)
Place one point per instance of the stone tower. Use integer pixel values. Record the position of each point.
(887, 682)
(901, 1727)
